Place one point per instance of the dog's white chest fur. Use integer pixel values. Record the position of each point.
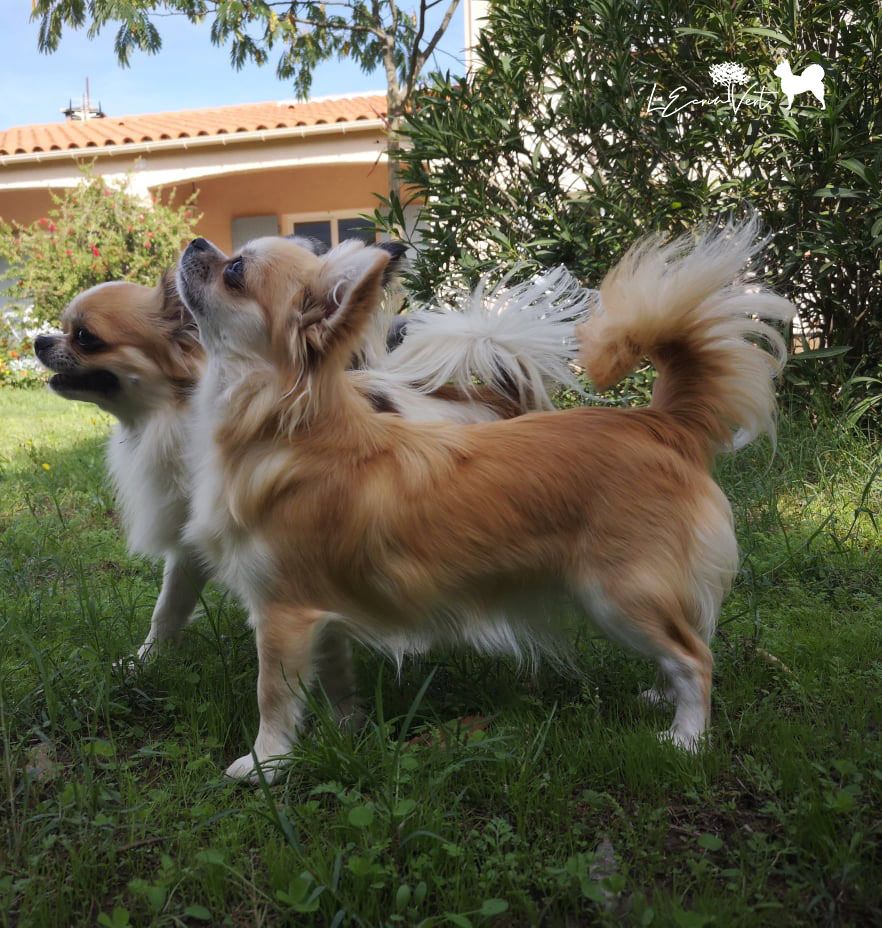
(239, 560)
(146, 466)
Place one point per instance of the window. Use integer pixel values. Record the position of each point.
(246, 228)
(319, 230)
(331, 228)
(356, 228)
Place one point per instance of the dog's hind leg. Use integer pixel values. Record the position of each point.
(660, 693)
(656, 624)
(286, 644)
(183, 579)
(336, 675)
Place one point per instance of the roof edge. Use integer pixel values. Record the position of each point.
(200, 141)
(285, 101)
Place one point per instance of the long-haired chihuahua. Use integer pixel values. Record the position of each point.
(319, 510)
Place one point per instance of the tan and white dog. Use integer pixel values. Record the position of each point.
(134, 351)
(320, 511)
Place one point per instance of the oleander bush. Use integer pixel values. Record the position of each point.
(589, 123)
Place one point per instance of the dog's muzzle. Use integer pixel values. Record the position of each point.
(194, 268)
(52, 353)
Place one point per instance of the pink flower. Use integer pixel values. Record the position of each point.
(95, 251)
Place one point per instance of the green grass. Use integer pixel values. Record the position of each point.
(565, 810)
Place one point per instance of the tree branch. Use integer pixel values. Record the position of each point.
(421, 57)
(421, 28)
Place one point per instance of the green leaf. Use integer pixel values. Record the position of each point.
(361, 816)
(856, 167)
(591, 889)
(118, 919)
(298, 888)
(490, 907)
(154, 893)
(814, 354)
(710, 842)
(210, 856)
(403, 807)
(691, 919)
(686, 30)
(461, 921)
(360, 866)
(199, 912)
(839, 193)
(409, 762)
(767, 33)
(402, 897)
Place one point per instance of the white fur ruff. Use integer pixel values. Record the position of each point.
(518, 336)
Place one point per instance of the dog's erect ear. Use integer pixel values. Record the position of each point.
(344, 297)
(397, 251)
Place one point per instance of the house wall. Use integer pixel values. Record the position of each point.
(24, 206)
(312, 189)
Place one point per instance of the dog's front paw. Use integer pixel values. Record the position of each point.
(245, 769)
(685, 741)
(350, 716)
(129, 665)
(147, 651)
(657, 697)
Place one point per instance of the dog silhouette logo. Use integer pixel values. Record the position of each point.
(811, 80)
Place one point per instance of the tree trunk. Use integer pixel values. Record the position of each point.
(395, 119)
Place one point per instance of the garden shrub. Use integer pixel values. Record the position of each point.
(94, 232)
(554, 150)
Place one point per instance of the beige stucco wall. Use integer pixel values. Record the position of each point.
(312, 189)
(24, 206)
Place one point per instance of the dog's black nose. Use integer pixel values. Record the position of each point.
(200, 244)
(43, 343)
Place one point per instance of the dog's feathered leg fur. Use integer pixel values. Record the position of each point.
(183, 578)
(686, 306)
(286, 641)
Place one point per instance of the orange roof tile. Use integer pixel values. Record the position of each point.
(73, 135)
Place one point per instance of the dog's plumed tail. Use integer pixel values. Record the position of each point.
(518, 339)
(688, 306)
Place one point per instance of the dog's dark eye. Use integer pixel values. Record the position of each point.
(86, 340)
(234, 274)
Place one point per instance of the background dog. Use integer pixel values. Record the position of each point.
(318, 511)
(134, 351)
